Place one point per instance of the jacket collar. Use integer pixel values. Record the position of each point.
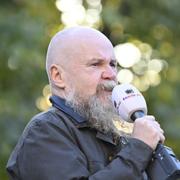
(60, 104)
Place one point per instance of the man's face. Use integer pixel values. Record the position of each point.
(89, 79)
(93, 65)
(84, 74)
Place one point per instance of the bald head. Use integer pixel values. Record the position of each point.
(66, 44)
(70, 47)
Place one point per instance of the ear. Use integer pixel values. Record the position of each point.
(56, 73)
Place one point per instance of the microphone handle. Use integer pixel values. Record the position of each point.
(137, 114)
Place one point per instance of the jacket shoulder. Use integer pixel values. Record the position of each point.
(51, 116)
(43, 129)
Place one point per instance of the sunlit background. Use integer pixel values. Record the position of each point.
(137, 60)
(146, 40)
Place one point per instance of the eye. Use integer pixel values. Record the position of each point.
(113, 64)
(95, 64)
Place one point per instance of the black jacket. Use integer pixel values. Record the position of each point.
(60, 145)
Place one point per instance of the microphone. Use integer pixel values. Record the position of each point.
(130, 104)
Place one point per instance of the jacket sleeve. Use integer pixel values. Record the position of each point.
(129, 163)
(50, 153)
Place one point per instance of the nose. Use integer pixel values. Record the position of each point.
(109, 73)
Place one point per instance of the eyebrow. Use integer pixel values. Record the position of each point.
(101, 60)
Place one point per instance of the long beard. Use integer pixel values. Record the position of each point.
(97, 109)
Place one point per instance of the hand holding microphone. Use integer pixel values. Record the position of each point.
(148, 130)
(132, 107)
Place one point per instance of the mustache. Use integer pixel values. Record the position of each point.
(106, 85)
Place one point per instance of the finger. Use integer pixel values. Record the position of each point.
(162, 138)
(150, 118)
(162, 131)
(156, 124)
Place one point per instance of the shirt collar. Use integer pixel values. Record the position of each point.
(60, 104)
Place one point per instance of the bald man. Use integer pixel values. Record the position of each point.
(76, 138)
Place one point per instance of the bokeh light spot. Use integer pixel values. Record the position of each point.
(155, 65)
(127, 54)
(125, 76)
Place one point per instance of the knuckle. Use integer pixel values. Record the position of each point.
(151, 117)
(157, 123)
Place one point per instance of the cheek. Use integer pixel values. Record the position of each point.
(85, 80)
(88, 84)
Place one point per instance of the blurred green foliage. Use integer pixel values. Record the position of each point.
(25, 30)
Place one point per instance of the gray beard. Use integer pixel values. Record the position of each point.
(100, 114)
